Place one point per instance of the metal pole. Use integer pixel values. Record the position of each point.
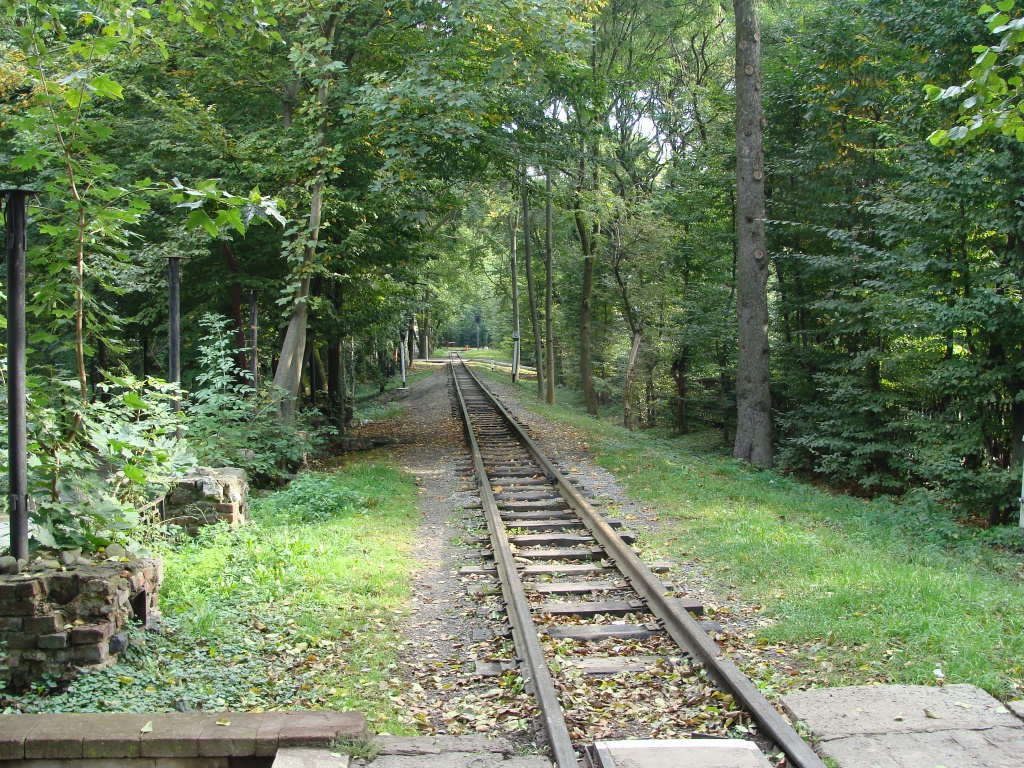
(253, 335)
(402, 345)
(17, 421)
(174, 323)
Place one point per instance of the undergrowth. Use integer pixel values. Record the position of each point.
(295, 611)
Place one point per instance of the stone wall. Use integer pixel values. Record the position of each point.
(207, 495)
(55, 620)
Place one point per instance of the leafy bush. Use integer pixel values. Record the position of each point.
(314, 497)
(93, 465)
(231, 424)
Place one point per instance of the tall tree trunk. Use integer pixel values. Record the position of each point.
(549, 333)
(534, 320)
(680, 372)
(586, 309)
(514, 269)
(753, 397)
(289, 366)
(627, 394)
(236, 307)
(411, 338)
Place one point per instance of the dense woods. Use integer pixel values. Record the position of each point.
(361, 169)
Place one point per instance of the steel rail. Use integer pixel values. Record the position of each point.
(678, 623)
(524, 632)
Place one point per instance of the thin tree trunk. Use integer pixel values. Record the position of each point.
(538, 352)
(627, 394)
(753, 397)
(514, 269)
(289, 366)
(586, 309)
(549, 333)
(236, 307)
(680, 372)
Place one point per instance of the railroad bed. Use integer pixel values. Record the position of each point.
(558, 568)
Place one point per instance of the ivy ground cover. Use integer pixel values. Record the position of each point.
(295, 611)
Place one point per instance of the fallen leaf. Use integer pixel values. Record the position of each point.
(223, 721)
(962, 704)
(932, 715)
(147, 728)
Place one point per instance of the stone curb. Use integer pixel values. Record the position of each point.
(170, 735)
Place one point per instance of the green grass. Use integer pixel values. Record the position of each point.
(296, 611)
(877, 590)
(494, 353)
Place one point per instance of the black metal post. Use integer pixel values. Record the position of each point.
(253, 333)
(174, 322)
(17, 421)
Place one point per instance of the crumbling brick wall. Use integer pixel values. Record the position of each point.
(57, 620)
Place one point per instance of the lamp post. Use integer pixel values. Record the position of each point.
(16, 218)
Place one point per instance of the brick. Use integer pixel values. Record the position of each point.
(238, 739)
(115, 736)
(173, 735)
(14, 729)
(11, 624)
(319, 729)
(58, 640)
(33, 655)
(56, 737)
(45, 624)
(92, 633)
(91, 654)
(20, 641)
(18, 607)
(12, 590)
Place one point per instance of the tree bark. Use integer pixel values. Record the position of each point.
(514, 269)
(538, 353)
(241, 359)
(627, 394)
(680, 372)
(586, 309)
(288, 375)
(753, 398)
(549, 333)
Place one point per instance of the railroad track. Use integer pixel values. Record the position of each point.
(540, 526)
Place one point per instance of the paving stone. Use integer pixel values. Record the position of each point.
(307, 729)
(13, 731)
(835, 713)
(114, 736)
(907, 726)
(1017, 707)
(308, 757)
(55, 737)
(236, 739)
(434, 745)
(999, 747)
(173, 735)
(680, 753)
(459, 760)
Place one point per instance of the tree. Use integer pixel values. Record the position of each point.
(753, 395)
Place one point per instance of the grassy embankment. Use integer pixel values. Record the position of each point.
(295, 611)
(878, 590)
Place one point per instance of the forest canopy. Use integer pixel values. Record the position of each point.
(373, 174)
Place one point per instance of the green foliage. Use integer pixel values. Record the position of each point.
(92, 468)
(994, 89)
(230, 424)
(274, 615)
(315, 497)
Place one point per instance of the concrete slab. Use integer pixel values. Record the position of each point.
(458, 760)
(309, 757)
(435, 745)
(910, 726)
(679, 753)
(1017, 707)
(835, 713)
(992, 748)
